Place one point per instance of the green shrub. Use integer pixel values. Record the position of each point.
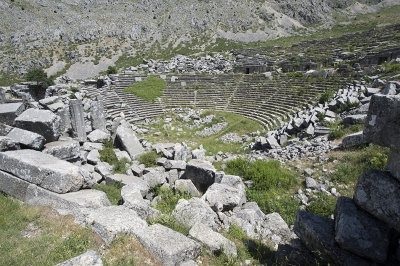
(270, 180)
(392, 67)
(379, 161)
(107, 155)
(149, 159)
(113, 191)
(112, 70)
(346, 107)
(336, 133)
(325, 97)
(323, 206)
(168, 199)
(148, 89)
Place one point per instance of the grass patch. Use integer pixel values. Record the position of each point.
(236, 124)
(8, 79)
(54, 239)
(325, 97)
(271, 184)
(168, 199)
(169, 221)
(148, 89)
(107, 155)
(247, 249)
(113, 191)
(149, 159)
(324, 205)
(353, 162)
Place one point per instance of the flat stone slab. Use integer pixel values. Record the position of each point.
(169, 246)
(317, 234)
(129, 142)
(98, 136)
(90, 258)
(64, 150)
(10, 111)
(202, 174)
(382, 125)
(378, 193)
(34, 195)
(108, 222)
(359, 232)
(30, 140)
(213, 240)
(43, 170)
(42, 122)
(196, 210)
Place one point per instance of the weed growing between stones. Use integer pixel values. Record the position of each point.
(107, 155)
(148, 89)
(323, 206)
(113, 191)
(149, 159)
(270, 183)
(168, 198)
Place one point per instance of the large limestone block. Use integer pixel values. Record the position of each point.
(77, 120)
(186, 185)
(68, 150)
(37, 196)
(202, 174)
(27, 139)
(129, 142)
(189, 212)
(108, 222)
(353, 140)
(10, 111)
(43, 170)
(222, 197)
(393, 164)
(359, 232)
(90, 258)
(168, 246)
(8, 144)
(42, 122)
(378, 193)
(236, 182)
(133, 199)
(317, 234)
(98, 114)
(382, 125)
(98, 136)
(213, 240)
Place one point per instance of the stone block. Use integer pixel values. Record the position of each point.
(43, 170)
(27, 139)
(10, 111)
(202, 174)
(359, 232)
(68, 150)
(129, 142)
(168, 246)
(378, 193)
(382, 125)
(77, 120)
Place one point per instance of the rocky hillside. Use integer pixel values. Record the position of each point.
(42, 30)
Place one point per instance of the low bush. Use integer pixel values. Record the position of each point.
(168, 198)
(270, 182)
(346, 107)
(107, 155)
(324, 205)
(149, 159)
(336, 133)
(325, 97)
(113, 191)
(112, 70)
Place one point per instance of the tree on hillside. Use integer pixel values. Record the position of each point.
(40, 77)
